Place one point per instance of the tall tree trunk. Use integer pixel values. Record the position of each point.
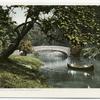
(6, 53)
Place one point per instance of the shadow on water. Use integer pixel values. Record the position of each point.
(59, 76)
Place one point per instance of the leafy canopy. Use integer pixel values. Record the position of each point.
(76, 23)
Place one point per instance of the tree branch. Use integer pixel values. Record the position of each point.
(17, 28)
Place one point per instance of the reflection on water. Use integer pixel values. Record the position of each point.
(51, 56)
(58, 75)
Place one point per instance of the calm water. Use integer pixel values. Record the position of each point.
(59, 76)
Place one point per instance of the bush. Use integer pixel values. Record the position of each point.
(25, 46)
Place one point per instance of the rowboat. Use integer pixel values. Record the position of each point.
(81, 67)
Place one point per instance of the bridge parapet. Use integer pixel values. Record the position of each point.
(63, 49)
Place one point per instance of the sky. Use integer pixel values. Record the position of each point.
(19, 17)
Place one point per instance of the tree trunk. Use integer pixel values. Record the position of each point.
(6, 53)
(76, 51)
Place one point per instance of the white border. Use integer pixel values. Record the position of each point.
(49, 2)
(50, 92)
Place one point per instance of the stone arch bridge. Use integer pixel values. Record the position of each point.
(65, 50)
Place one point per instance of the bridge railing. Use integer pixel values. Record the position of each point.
(56, 48)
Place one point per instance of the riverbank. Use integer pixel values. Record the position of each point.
(21, 72)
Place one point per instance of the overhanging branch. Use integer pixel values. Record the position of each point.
(17, 28)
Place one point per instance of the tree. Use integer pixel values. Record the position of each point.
(78, 24)
(6, 28)
(22, 29)
(72, 21)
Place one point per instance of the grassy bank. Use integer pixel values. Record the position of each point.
(27, 61)
(21, 72)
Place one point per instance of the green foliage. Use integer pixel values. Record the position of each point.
(6, 28)
(76, 19)
(10, 80)
(37, 37)
(76, 23)
(73, 21)
(91, 52)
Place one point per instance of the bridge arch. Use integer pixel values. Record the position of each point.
(62, 49)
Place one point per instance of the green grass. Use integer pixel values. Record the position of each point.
(15, 74)
(27, 61)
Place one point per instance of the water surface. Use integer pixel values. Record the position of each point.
(59, 76)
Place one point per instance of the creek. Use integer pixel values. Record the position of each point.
(59, 76)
